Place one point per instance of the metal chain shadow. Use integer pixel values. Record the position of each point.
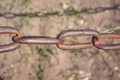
(67, 12)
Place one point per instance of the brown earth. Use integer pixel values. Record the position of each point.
(49, 18)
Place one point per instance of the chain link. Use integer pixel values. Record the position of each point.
(36, 40)
(60, 39)
(107, 46)
(10, 46)
(72, 33)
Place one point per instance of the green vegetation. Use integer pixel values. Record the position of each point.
(8, 75)
(76, 52)
(111, 30)
(12, 4)
(65, 75)
(50, 51)
(74, 11)
(97, 54)
(39, 73)
(41, 52)
(117, 52)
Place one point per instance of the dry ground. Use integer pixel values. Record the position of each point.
(49, 18)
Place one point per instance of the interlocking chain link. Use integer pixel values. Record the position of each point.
(10, 46)
(60, 39)
(72, 33)
(107, 46)
(36, 40)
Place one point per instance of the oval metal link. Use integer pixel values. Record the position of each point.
(36, 40)
(60, 41)
(70, 33)
(107, 46)
(10, 46)
(10, 30)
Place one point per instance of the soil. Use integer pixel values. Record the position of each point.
(49, 18)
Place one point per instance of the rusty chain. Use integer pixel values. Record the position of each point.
(96, 40)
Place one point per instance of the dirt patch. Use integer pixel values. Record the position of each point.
(49, 18)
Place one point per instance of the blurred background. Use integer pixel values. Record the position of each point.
(49, 18)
